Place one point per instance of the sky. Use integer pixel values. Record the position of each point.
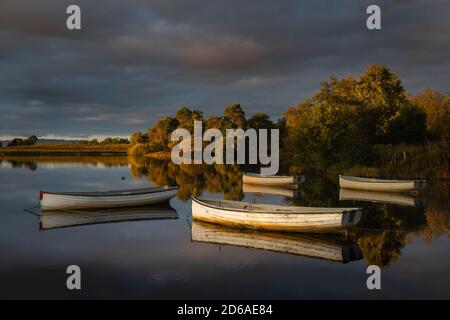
(137, 61)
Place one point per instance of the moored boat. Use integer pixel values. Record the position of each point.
(71, 218)
(371, 184)
(274, 217)
(328, 247)
(254, 178)
(105, 199)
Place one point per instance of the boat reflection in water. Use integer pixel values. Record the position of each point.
(71, 218)
(381, 197)
(328, 247)
(290, 192)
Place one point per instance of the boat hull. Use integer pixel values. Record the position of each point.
(380, 185)
(55, 201)
(316, 246)
(71, 218)
(272, 180)
(380, 197)
(285, 191)
(316, 220)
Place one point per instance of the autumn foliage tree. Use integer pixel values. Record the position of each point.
(340, 123)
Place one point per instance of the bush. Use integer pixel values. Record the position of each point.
(139, 149)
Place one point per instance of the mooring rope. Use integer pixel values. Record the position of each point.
(30, 210)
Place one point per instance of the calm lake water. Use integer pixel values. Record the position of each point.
(165, 258)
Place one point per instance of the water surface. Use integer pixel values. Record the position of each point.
(171, 258)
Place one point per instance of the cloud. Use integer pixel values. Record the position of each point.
(138, 60)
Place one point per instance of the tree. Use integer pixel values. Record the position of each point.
(136, 137)
(260, 120)
(379, 87)
(186, 118)
(234, 117)
(159, 135)
(380, 94)
(437, 108)
(15, 142)
(408, 125)
(214, 123)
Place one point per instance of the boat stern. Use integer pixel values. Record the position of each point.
(351, 218)
(299, 179)
(420, 184)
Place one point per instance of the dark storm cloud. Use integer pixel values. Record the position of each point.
(136, 61)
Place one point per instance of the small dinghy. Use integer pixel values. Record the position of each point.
(322, 246)
(254, 178)
(105, 199)
(381, 184)
(274, 217)
(71, 218)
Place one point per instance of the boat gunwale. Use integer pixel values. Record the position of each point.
(264, 176)
(203, 203)
(376, 180)
(112, 193)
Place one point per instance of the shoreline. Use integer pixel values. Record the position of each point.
(159, 155)
(65, 150)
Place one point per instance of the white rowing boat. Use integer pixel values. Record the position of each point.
(275, 190)
(326, 247)
(381, 184)
(380, 197)
(274, 217)
(105, 199)
(254, 178)
(71, 218)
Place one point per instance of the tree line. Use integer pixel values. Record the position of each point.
(354, 121)
(33, 139)
(348, 122)
(158, 137)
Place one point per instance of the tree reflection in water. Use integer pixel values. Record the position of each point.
(192, 179)
(381, 234)
(384, 228)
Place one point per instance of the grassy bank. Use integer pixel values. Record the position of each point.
(65, 149)
(159, 155)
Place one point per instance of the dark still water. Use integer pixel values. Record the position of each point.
(178, 258)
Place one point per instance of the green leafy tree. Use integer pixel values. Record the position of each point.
(159, 135)
(214, 122)
(186, 118)
(15, 142)
(260, 120)
(407, 125)
(380, 94)
(234, 117)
